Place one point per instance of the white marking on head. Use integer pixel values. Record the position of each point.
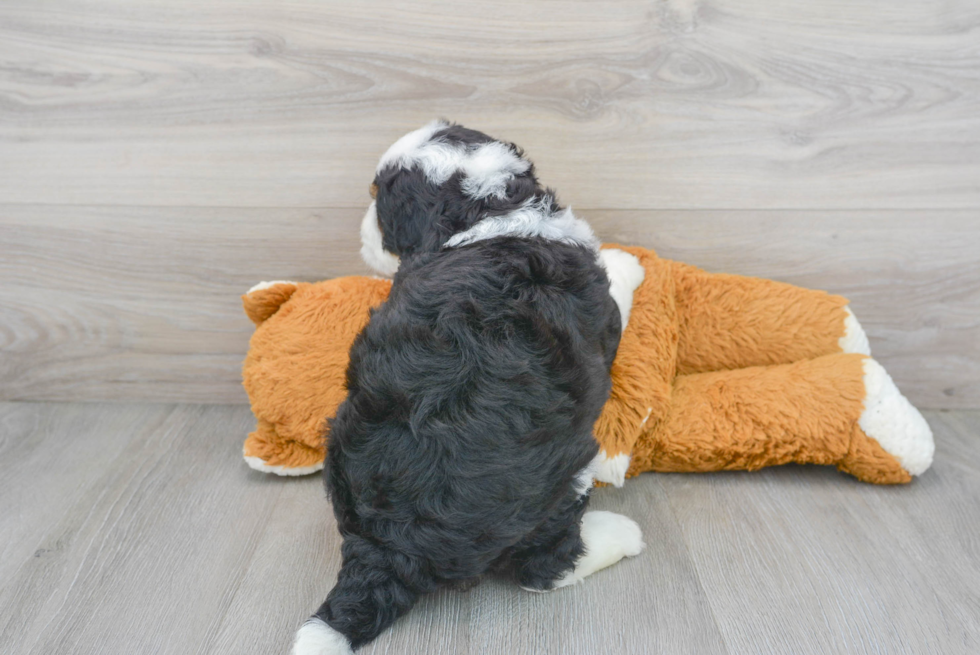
(532, 219)
(372, 247)
(404, 150)
(318, 638)
(486, 167)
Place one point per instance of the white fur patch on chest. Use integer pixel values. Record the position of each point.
(625, 274)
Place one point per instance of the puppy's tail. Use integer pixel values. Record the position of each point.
(374, 587)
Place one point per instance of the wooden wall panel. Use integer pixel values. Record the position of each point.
(143, 303)
(675, 104)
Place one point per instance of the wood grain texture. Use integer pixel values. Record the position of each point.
(635, 104)
(161, 541)
(801, 560)
(103, 303)
(170, 544)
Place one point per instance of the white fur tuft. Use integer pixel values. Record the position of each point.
(405, 150)
(532, 219)
(608, 538)
(488, 168)
(318, 638)
(612, 470)
(586, 477)
(854, 339)
(265, 285)
(372, 247)
(891, 420)
(625, 274)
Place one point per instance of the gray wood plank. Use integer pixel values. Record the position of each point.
(681, 104)
(169, 544)
(652, 603)
(151, 549)
(56, 446)
(174, 546)
(137, 303)
(804, 560)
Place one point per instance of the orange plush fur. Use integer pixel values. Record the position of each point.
(714, 372)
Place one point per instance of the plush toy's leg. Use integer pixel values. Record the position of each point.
(645, 361)
(837, 409)
(268, 452)
(730, 322)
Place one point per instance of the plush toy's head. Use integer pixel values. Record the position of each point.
(296, 364)
(438, 182)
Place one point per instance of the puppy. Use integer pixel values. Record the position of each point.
(465, 444)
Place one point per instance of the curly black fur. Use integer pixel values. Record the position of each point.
(472, 394)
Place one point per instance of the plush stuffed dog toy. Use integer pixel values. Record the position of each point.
(714, 372)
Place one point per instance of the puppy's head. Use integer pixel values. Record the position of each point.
(438, 181)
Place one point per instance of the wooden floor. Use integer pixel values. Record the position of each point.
(138, 529)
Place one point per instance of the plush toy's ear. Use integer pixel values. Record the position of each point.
(264, 299)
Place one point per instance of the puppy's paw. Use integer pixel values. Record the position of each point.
(318, 638)
(608, 538)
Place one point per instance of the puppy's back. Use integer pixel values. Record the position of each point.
(472, 395)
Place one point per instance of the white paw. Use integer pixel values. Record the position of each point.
(611, 469)
(608, 538)
(625, 273)
(259, 464)
(266, 285)
(854, 339)
(318, 638)
(891, 420)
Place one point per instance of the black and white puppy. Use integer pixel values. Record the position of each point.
(465, 444)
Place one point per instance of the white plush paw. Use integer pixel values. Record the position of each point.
(318, 638)
(891, 420)
(854, 339)
(611, 470)
(259, 464)
(625, 273)
(265, 285)
(608, 538)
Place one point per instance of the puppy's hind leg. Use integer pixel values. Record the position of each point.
(608, 538)
(562, 555)
(374, 587)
